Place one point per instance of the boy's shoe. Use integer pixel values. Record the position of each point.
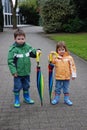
(27, 98)
(55, 100)
(29, 101)
(17, 102)
(67, 101)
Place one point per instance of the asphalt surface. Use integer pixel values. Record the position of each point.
(37, 117)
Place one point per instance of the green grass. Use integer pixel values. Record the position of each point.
(76, 43)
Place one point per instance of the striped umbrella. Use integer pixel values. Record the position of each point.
(50, 76)
(40, 81)
(50, 73)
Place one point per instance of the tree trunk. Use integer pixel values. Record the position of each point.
(14, 18)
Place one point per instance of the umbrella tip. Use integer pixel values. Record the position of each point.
(50, 101)
(41, 103)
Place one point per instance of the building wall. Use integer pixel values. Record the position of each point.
(8, 15)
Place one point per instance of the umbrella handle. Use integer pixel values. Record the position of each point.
(51, 56)
(38, 57)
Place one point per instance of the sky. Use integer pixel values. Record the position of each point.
(13, 2)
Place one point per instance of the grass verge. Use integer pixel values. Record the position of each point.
(76, 43)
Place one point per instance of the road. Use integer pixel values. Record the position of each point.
(37, 117)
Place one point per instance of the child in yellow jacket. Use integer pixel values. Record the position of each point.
(64, 69)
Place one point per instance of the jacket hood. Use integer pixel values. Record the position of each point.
(66, 54)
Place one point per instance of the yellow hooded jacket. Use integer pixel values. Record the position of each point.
(64, 67)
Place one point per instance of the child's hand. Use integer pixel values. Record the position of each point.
(53, 52)
(56, 55)
(39, 52)
(15, 75)
(73, 78)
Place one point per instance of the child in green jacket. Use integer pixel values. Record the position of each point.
(20, 66)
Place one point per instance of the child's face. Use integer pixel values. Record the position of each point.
(61, 51)
(20, 39)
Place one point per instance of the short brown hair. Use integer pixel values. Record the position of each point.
(19, 32)
(61, 44)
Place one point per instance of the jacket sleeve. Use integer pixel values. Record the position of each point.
(10, 61)
(54, 60)
(73, 68)
(32, 52)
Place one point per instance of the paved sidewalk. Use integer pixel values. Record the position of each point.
(35, 117)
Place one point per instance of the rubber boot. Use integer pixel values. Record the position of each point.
(27, 98)
(67, 101)
(17, 101)
(55, 100)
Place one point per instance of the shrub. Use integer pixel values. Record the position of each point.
(54, 13)
(85, 24)
(73, 25)
(30, 13)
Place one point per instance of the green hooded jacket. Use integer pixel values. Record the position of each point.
(19, 59)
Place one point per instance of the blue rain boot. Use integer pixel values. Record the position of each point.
(27, 98)
(17, 101)
(55, 100)
(67, 101)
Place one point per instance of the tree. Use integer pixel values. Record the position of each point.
(13, 8)
(29, 10)
(81, 8)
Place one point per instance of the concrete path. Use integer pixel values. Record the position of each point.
(37, 117)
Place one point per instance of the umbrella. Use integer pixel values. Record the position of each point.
(50, 74)
(40, 81)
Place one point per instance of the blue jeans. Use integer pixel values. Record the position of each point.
(21, 82)
(62, 84)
